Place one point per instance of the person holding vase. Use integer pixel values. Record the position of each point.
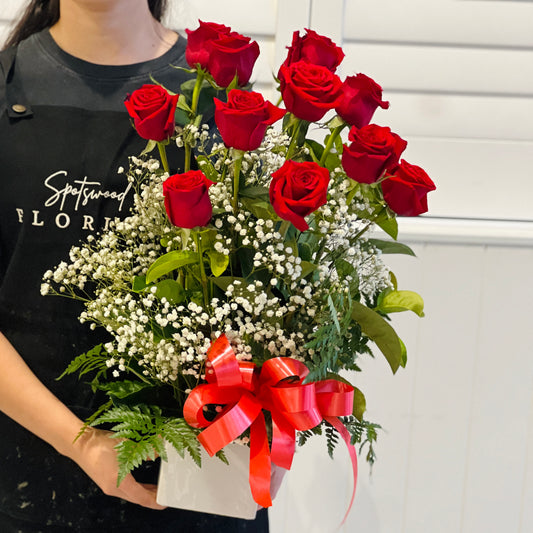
(65, 133)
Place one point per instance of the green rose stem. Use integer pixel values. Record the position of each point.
(197, 90)
(331, 141)
(187, 157)
(237, 164)
(294, 138)
(163, 156)
(200, 74)
(203, 277)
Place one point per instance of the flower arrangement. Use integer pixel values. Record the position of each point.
(239, 288)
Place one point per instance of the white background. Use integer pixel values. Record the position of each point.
(457, 453)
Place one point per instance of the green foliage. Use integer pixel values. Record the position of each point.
(332, 438)
(94, 359)
(397, 301)
(142, 430)
(337, 340)
(304, 436)
(169, 262)
(380, 331)
(363, 433)
(392, 247)
(218, 262)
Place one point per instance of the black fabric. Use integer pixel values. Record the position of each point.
(58, 183)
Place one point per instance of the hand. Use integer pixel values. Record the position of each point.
(95, 454)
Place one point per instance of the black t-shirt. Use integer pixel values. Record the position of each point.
(64, 134)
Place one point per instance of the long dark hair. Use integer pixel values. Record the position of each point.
(41, 14)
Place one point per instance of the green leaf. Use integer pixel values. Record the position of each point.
(171, 290)
(182, 104)
(254, 192)
(205, 165)
(359, 404)
(150, 145)
(315, 148)
(344, 268)
(223, 282)
(123, 389)
(259, 208)
(374, 326)
(304, 251)
(169, 262)
(392, 247)
(138, 284)
(181, 117)
(218, 262)
(307, 268)
(403, 360)
(397, 301)
(389, 226)
(207, 237)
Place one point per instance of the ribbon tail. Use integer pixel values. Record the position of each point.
(283, 442)
(339, 426)
(260, 464)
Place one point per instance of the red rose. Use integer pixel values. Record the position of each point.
(152, 110)
(373, 150)
(361, 96)
(232, 54)
(243, 120)
(199, 40)
(309, 91)
(406, 190)
(187, 199)
(314, 48)
(298, 189)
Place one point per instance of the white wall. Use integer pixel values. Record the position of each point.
(457, 454)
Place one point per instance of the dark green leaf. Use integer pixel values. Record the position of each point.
(392, 247)
(139, 284)
(380, 331)
(389, 226)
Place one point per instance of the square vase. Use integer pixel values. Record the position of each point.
(215, 488)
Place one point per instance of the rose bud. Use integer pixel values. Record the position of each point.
(187, 200)
(199, 41)
(243, 120)
(405, 191)
(373, 150)
(152, 110)
(297, 190)
(314, 48)
(309, 91)
(231, 55)
(361, 96)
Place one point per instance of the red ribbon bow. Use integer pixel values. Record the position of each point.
(278, 388)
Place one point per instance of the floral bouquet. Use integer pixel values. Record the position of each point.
(240, 287)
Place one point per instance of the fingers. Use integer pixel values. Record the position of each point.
(140, 493)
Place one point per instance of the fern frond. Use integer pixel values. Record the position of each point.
(183, 437)
(132, 454)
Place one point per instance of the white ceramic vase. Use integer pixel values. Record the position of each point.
(215, 488)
